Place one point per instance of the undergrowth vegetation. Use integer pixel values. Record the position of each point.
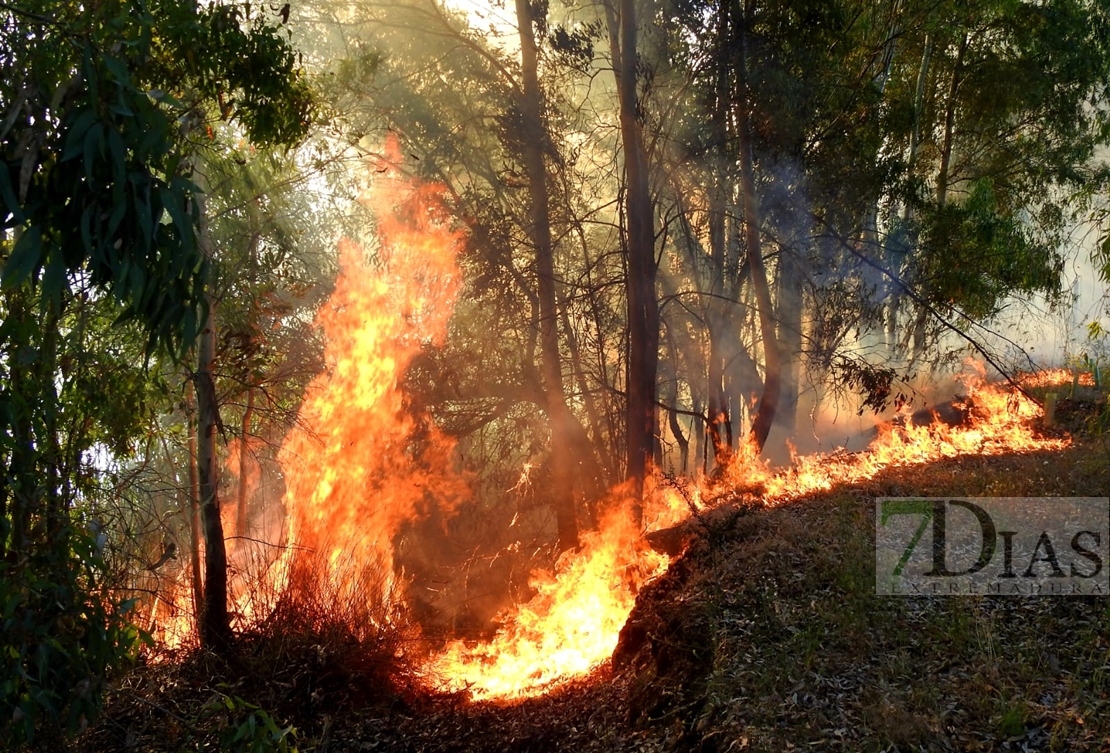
(766, 635)
(775, 638)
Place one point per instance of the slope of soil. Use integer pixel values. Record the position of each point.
(765, 636)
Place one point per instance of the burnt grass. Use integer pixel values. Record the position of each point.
(765, 635)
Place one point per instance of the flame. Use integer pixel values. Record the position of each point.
(568, 628)
(363, 461)
(1056, 378)
(997, 422)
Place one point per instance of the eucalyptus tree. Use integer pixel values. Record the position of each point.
(102, 105)
(476, 112)
(1001, 108)
(771, 130)
(903, 154)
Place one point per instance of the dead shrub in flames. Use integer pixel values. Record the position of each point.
(326, 645)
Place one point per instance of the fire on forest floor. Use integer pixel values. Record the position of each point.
(764, 635)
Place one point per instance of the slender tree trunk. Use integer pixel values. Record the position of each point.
(20, 471)
(949, 123)
(593, 416)
(720, 423)
(790, 338)
(602, 420)
(643, 307)
(699, 433)
(215, 626)
(49, 448)
(244, 459)
(894, 304)
(920, 330)
(672, 416)
(720, 426)
(772, 379)
(558, 413)
(919, 107)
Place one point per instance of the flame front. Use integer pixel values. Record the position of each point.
(997, 421)
(362, 461)
(568, 628)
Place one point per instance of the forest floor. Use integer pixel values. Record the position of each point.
(766, 635)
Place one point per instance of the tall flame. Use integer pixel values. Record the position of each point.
(361, 461)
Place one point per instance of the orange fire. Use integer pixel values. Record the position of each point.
(998, 421)
(1056, 378)
(363, 461)
(573, 623)
(568, 628)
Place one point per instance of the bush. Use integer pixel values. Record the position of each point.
(60, 636)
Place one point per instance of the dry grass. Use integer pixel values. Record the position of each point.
(772, 638)
(765, 636)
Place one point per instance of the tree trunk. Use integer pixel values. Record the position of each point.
(558, 414)
(672, 415)
(699, 433)
(790, 338)
(643, 307)
(596, 480)
(720, 426)
(720, 423)
(215, 627)
(949, 123)
(772, 379)
(894, 302)
(241, 501)
(19, 489)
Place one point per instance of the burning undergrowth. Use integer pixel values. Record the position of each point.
(367, 572)
(764, 634)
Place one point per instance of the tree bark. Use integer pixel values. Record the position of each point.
(194, 509)
(720, 426)
(215, 626)
(949, 123)
(643, 307)
(790, 338)
(558, 414)
(672, 414)
(894, 302)
(772, 362)
(588, 452)
(241, 497)
(20, 471)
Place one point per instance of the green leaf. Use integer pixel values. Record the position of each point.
(75, 137)
(26, 257)
(8, 195)
(171, 200)
(119, 211)
(94, 140)
(118, 70)
(119, 162)
(54, 279)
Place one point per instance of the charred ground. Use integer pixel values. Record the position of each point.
(765, 635)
